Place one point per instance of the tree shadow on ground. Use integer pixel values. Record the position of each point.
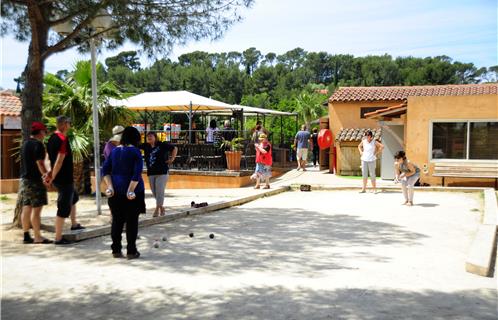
(254, 303)
(294, 241)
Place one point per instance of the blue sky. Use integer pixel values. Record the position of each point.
(465, 30)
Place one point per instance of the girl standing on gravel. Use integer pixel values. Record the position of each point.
(408, 174)
(263, 161)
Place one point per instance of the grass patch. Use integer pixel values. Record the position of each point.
(3, 197)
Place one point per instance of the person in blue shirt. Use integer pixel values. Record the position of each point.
(302, 141)
(122, 173)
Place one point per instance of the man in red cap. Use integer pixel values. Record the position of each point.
(34, 176)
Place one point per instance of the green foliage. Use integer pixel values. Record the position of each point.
(73, 97)
(292, 81)
(233, 145)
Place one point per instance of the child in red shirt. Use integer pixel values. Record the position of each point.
(263, 162)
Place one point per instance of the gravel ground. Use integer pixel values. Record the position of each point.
(317, 255)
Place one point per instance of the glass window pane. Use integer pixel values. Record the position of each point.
(449, 140)
(483, 140)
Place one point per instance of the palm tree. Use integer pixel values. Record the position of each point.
(72, 96)
(309, 106)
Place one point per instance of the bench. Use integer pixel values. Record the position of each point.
(467, 170)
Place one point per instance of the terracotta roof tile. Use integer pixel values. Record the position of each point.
(356, 134)
(10, 105)
(345, 94)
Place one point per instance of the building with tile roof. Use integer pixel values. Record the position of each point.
(10, 122)
(432, 124)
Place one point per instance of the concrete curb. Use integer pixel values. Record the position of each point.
(106, 230)
(483, 249)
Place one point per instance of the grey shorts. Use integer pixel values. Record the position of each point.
(368, 167)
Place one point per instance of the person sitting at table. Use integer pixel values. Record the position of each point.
(210, 131)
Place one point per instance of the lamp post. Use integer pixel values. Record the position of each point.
(100, 23)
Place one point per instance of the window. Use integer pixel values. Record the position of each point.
(465, 140)
(483, 140)
(364, 110)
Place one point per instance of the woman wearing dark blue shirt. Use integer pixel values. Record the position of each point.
(122, 173)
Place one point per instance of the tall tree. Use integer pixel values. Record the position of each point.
(251, 59)
(154, 25)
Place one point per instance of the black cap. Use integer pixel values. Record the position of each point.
(63, 119)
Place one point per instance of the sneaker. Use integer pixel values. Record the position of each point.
(77, 227)
(131, 256)
(117, 255)
(62, 242)
(44, 241)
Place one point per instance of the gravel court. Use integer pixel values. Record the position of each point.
(297, 255)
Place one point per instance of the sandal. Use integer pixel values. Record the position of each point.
(256, 187)
(266, 187)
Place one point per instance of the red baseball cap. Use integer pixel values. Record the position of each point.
(38, 126)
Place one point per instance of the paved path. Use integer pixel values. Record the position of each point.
(297, 255)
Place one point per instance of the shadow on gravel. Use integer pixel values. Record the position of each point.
(255, 303)
(293, 241)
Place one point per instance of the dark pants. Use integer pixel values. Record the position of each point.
(316, 155)
(125, 211)
(67, 197)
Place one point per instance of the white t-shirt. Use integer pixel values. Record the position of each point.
(368, 150)
(210, 134)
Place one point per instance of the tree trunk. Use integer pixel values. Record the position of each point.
(31, 97)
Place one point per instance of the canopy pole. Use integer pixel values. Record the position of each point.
(281, 130)
(189, 123)
(145, 125)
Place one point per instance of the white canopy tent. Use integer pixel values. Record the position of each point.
(189, 103)
(170, 101)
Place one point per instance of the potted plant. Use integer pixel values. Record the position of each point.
(233, 152)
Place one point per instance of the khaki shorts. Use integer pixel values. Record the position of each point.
(302, 154)
(34, 193)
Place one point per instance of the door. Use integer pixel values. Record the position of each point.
(392, 139)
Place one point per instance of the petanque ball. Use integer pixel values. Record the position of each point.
(192, 204)
(191, 235)
(164, 238)
(156, 245)
(211, 236)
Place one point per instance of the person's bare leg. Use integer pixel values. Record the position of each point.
(364, 188)
(257, 183)
(26, 218)
(411, 192)
(405, 193)
(267, 181)
(73, 215)
(36, 223)
(59, 225)
(374, 185)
